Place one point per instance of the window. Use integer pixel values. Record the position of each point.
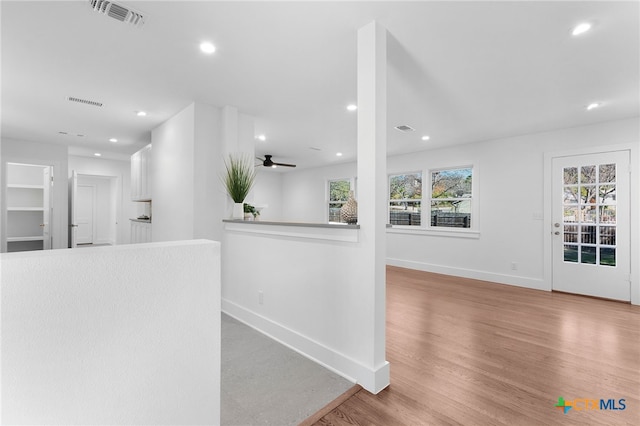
(338, 195)
(451, 198)
(405, 199)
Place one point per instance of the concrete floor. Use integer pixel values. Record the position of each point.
(266, 383)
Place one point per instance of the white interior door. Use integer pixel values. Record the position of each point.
(85, 211)
(591, 215)
(46, 208)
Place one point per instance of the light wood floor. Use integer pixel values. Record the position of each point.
(476, 353)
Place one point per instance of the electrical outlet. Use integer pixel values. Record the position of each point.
(260, 297)
(514, 266)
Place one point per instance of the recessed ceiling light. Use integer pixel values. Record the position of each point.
(261, 137)
(352, 107)
(63, 133)
(207, 47)
(425, 138)
(338, 154)
(141, 113)
(97, 154)
(593, 105)
(114, 140)
(581, 28)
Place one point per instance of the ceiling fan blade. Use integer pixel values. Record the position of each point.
(284, 164)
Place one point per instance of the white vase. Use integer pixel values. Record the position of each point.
(238, 211)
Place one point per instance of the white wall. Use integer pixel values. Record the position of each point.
(511, 195)
(121, 170)
(84, 342)
(304, 192)
(46, 154)
(312, 293)
(208, 192)
(172, 177)
(268, 192)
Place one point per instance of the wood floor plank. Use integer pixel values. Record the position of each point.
(468, 352)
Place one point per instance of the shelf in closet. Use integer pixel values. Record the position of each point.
(21, 186)
(17, 239)
(25, 209)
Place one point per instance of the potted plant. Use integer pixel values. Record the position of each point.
(250, 212)
(239, 177)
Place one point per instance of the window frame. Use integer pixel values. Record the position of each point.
(425, 227)
(328, 202)
(420, 200)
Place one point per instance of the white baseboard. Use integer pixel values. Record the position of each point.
(514, 280)
(372, 380)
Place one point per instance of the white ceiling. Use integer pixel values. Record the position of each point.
(458, 71)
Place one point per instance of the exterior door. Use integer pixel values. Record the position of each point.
(591, 229)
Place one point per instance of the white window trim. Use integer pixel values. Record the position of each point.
(425, 228)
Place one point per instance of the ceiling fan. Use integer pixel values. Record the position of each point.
(268, 162)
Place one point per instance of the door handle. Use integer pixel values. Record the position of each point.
(556, 233)
(557, 225)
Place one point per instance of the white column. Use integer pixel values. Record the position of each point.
(372, 188)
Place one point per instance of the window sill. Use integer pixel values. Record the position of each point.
(415, 230)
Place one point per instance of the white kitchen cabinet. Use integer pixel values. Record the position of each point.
(141, 175)
(140, 232)
(27, 207)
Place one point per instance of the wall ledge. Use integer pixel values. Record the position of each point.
(315, 231)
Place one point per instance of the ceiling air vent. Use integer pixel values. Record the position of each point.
(118, 11)
(404, 128)
(84, 101)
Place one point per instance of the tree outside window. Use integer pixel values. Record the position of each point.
(405, 199)
(451, 197)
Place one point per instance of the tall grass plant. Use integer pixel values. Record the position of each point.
(239, 177)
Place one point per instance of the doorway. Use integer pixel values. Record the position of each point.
(591, 224)
(93, 210)
(28, 207)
